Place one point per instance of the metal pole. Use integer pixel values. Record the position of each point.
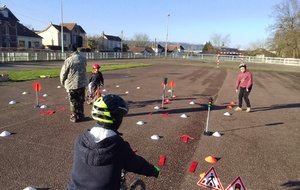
(163, 97)
(61, 28)
(206, 128)
(166, 45)
(122, 41)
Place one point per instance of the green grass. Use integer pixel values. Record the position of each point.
(18, 76)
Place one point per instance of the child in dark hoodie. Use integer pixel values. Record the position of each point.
(101, 153)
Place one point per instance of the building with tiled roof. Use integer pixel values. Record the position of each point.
(72, 34)
(109, 43)
(15, 35)
(141, 50)
(8, 28)
(176, 49)
(28, 38)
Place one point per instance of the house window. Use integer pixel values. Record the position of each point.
(7, 43)
(21, 44)
(65, 37)
(36, 44)
(6, 29)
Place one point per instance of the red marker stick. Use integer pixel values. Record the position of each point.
(162, 160)
(193, 167)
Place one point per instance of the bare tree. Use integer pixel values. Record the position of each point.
(220, 41)
(141, 39)
(286, 29)
(258, 44)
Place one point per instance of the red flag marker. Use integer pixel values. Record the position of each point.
(165, 114)
(162, 159)
(193, 167)
(42, 99)
(37, 86)
(49, 112)
(185, 138)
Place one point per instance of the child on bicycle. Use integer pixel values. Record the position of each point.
(96, 80)
(101, 153)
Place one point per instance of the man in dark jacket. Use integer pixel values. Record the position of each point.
(73, 78)
(101, 153)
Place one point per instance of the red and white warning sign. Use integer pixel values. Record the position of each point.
(210, 180)
(237, 184)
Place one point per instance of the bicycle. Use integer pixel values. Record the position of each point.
(136, 185)
(90, 98)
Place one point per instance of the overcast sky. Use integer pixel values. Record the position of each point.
(190, 21)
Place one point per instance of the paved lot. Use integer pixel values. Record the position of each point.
(262, 147)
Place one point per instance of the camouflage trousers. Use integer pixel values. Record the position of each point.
(77, 98)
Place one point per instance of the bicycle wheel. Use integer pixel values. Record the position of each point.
(87, 96)
(138, 185)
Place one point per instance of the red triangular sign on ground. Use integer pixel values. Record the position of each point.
(211, 180)
(237, 184)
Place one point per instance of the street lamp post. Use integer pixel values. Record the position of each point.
(61, 28)
(166, 45)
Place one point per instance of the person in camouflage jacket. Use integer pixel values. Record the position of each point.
(73, 78)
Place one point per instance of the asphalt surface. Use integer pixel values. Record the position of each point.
(261, 147)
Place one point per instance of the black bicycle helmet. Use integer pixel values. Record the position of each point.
(243, 65)
(109, 111)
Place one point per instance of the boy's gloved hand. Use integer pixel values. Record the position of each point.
(158, 170)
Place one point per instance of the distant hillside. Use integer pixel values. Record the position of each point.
(186, 46)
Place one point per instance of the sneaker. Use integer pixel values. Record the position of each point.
(237, 109)
(73, 118)
(248, 110)
(89, 101)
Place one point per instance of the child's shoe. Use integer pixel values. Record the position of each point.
(237, 109)
(73, 118)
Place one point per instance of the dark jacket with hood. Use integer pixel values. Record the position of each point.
(97, 78)
(97, 166)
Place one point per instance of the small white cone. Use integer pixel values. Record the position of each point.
(183, 116)
(12, 102)
(5, 134)
(227, 114)
(29, 188)
(126, 92)
(216, 134)
(25, 93)
(138, 87)
(169, 90)
(155, 137)
(140, 123)
(117, 86)
(45, 95)
(192, 102)
(156, 107)
(43, 106)
(58, 86)
(104, 90)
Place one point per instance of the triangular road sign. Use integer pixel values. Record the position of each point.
(210, 180)
(237, 184)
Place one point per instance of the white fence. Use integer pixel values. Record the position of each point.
(53, 56)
